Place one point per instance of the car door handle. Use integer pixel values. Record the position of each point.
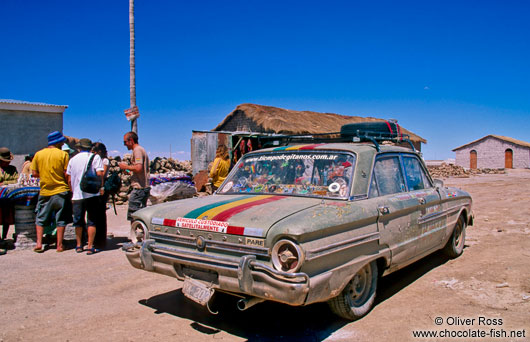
(422, 200)
(383, 210)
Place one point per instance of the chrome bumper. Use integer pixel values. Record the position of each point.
(248, 277)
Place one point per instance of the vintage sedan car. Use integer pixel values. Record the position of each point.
(301, 224)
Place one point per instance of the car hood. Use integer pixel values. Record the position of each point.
(254, 212)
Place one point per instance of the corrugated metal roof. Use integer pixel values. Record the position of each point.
(30, 103)
(500, 137)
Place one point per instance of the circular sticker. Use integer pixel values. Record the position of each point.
(242, 181)
(334, 187)
(227, 187)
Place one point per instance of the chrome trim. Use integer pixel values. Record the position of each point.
(274, 255)
(202, 260)
(435, 216)
(210, 244)
(339, 246)
(193, 256)
(275, 273)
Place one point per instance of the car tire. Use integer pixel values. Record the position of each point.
(358, 297)
(455, 246)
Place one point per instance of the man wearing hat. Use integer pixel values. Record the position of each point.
(8, 175)
(85, 203)
(49, 164)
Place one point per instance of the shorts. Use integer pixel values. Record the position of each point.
(137, 200)
(89, 206)
(7, 212)
(57, 207)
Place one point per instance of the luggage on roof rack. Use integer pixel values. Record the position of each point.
(383, 129)
(375, 132)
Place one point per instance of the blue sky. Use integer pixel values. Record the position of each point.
(450, 71)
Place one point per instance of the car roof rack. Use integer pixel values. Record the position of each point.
(374, 132)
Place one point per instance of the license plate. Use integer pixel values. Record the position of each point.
(197, 291)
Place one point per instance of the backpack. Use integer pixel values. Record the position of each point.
(112, 183)
(112, 186)
(90, 181)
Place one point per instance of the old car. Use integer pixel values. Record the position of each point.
(306, 223)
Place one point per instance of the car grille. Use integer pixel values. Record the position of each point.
(213, 246)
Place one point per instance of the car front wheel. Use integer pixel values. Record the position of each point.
(358, 296)
(455, 245)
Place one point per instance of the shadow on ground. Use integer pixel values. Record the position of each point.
(115, 243)
(271, 321)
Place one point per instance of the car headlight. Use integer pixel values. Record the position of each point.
(138, 232)
(287, 256)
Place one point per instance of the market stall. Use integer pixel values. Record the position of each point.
(22, 198)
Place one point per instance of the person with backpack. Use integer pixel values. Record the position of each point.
(100, 239)
(84, 174)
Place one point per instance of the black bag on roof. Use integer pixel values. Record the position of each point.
(386, 128)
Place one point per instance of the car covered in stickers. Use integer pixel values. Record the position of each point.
(305, 223)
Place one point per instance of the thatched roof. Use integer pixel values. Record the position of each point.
(286, 121)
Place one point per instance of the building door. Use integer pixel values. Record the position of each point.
(508, 159)
(473, 159)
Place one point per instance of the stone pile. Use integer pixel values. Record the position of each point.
(449, 170)
(165, 165)
(168, 167)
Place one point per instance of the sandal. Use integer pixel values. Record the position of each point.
(93, 250)
(79, 249)
(38, 250)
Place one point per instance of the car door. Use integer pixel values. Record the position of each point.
(430, 228)
(398, 210)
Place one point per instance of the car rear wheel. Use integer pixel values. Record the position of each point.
(455, 245)
(358, 296)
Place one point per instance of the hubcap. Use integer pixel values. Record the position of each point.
(458, 235)
(360, 286)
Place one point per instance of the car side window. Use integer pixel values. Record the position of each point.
(373, 189)
(387, 174)
(415, 175)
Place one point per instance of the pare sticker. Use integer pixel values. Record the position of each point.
(334, 187)
(228, 186)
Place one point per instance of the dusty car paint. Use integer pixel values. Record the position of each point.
(226, 241)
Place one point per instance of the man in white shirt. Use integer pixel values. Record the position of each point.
(84, 203)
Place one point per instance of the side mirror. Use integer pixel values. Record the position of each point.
(438, 183)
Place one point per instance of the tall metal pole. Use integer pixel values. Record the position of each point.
(134, 125)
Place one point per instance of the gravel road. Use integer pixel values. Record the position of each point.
(77, 297)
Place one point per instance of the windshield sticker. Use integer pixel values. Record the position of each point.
(299, 174)
(293, 156)
(334, 187)
(227, 187)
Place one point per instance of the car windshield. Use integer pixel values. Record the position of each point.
(312, 174)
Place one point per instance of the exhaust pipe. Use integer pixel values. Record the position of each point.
(246, 303)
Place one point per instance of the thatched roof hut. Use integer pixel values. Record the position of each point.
(266, 119)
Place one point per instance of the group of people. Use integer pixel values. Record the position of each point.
(61, 199)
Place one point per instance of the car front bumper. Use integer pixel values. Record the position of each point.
(248, 277)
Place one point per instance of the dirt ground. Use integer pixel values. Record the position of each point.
(76, 297)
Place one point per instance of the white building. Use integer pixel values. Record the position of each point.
(494, 152)
(24, 126)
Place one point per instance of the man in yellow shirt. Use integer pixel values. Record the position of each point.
(49, 164)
